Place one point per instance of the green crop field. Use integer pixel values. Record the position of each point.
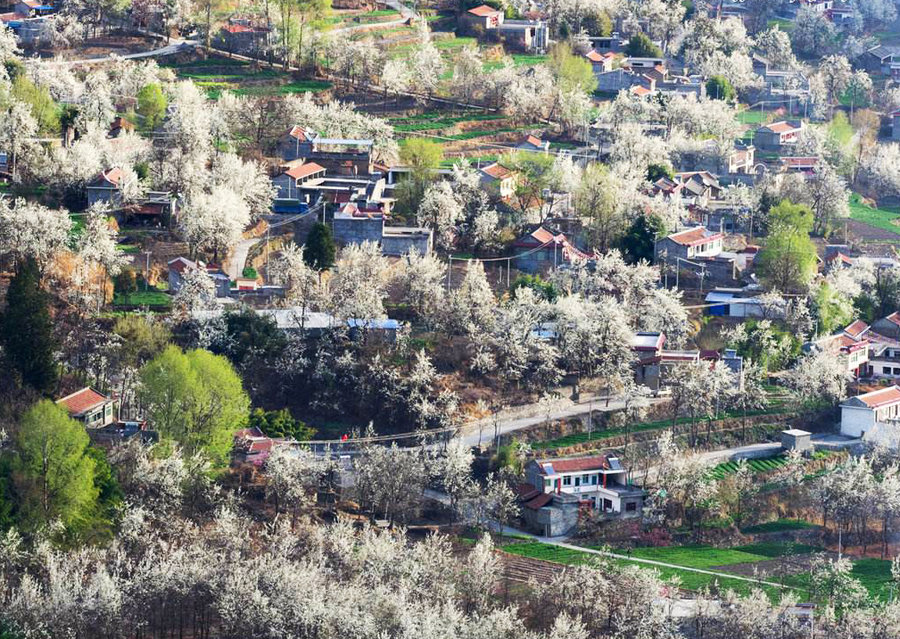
(881, 218)
(764, 465)
(754, 116)
(703, 557)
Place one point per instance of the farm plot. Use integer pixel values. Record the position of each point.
(764, 465)
(217, 74)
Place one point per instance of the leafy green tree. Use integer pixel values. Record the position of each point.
(832, 309)
(280, 423)
(659, 171)
(421, 156)
(639, 241)
(152, 104)
(641, 46)
(788, 261)
(536, 283)
(53, 472)
(26, 330)
(43, 107)
(196, 399)
(572, 72)
(720, 88)
(319, 251)
(142, 338)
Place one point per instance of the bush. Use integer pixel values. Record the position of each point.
(280, 423)
(249, 272)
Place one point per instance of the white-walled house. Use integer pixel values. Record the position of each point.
(871, 413)
(598, 481)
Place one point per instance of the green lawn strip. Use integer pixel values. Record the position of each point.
(521, 59)
(688, 579)
(129, 249)
(580, 438)
(881, 218)
(752, 116)
(779, 525)
(142, 298)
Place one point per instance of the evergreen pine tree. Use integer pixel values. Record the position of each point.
(26, 330)
(320, 250)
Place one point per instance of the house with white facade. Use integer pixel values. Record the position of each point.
(873, 416)
(598, 481)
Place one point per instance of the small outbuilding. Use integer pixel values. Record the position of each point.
(796, 439)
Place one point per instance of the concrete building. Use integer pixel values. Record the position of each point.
(598, 482)
(293, 177)
(543, 250)
(400, 240)
(796, 439)
(861, 415)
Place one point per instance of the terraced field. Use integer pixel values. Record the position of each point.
(217, 74)
(764, 465)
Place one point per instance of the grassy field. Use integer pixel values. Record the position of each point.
(704, 557)
(779, 525)
(215, 75)
(143, 298)
(881, 218)
(753, 116)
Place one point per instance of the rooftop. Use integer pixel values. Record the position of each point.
(696, 235)
(483, 11)
(881, 397)
(574, 465)
(82, 401)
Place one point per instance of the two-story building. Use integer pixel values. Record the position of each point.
(295, 174)
(90, 407)
(108, 187)
(690, 244)
(598, 481)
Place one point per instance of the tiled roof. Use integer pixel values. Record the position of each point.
(881, 397)
(181, 264)
(857, 328)
(534, 141)
(793, 162)
(113, 177)
(640, 91)
(595, 56)
(574, 465)
(781, 127)
(483, 11)
(539, 502)
(496, 171)
(697, 235)
(81, 401)
(894, 318)
(304, 170)
(301, 134)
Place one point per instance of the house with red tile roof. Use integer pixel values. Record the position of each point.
(690, 244)
(533, 143)
(90, 407)
(108, 187)
(864, 413)
(776, 136)
(600, 62)
(242, 35)
(483, 17)
(295, 174)
(599, 481)
(498, 179)
(542, 250)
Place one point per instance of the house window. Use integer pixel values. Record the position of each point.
(567, 481)
(593, 480)
(578, 481)
(607, 505)
(548, 483)
(885, 370)
(631, 507)
(897, 371)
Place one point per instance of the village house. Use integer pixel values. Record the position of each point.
(242, 35)
(699, 251)
(108, 188)
(341, 157)
(357, 223)
(251, 446)
(600, 62)
(28, 20)
(542, 250)
(731, 302)
(852, 350)
(295, 174)
(888, 326)
(528, 35)
(689, 244)
(534, 144)
(873, 416)
(498, 179)
(180, 265)
(90, 407)
(558, 489)
(599, 481)
(804, 165)
(778, 135)
(693, 187)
